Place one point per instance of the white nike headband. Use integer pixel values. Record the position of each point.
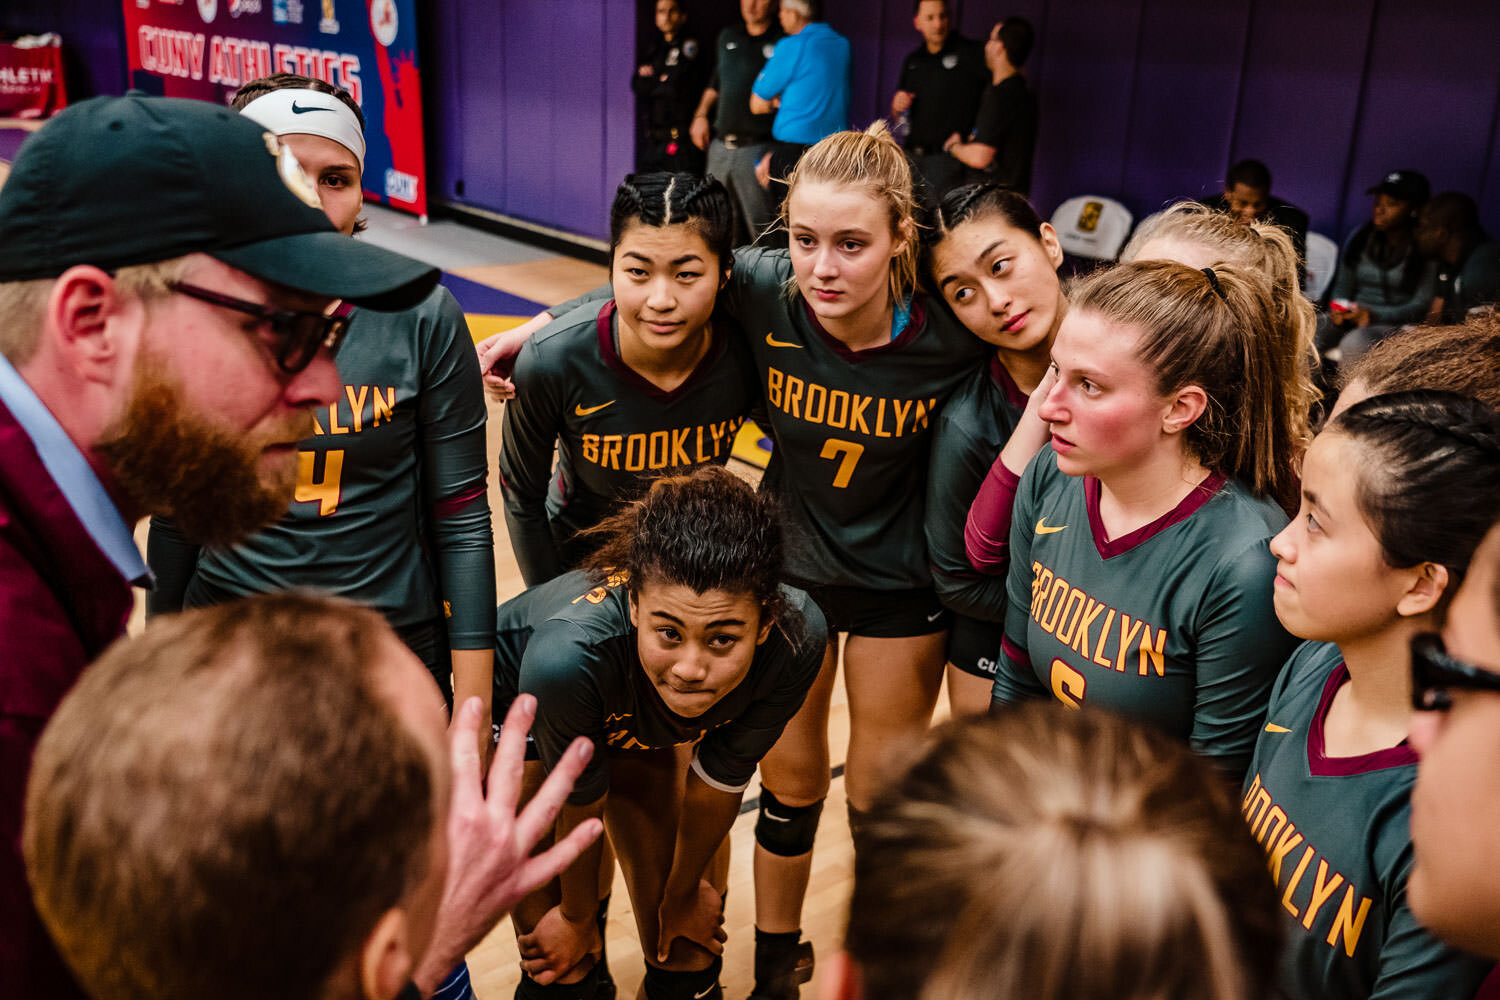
(309, 112)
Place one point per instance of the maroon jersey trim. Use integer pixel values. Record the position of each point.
(605, 325)
(914, 324)
(1190, 504)
(1016, 653)
(1324, 766)
(443, 509)
(1001, 376)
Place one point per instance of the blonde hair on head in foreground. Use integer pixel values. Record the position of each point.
(1051, 853)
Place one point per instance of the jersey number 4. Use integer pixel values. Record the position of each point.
(325, 491)
(1067, 684)
(847, 452)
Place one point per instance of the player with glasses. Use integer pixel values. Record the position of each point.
(1397, 492)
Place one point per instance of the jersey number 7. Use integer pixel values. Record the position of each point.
(850, 450)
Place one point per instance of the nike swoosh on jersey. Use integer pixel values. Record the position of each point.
(584, 411)
(935, 615)
(1272, 727)
(296, 110)
(1043, 529)
(773, 342)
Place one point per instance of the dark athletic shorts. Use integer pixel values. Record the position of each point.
(428, 640)
(878, 614)
(974, 645)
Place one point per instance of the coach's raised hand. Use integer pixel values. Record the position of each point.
(489, 845)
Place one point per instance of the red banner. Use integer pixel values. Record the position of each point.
(31, 81)
(208, 48)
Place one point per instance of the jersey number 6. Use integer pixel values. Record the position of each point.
(850, 450)
(1067, 684)
(325, 491)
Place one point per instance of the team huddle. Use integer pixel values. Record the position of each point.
(1104, 493)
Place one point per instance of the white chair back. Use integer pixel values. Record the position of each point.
(1322, 261)
(1092, 226)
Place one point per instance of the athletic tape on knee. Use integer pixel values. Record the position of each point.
(786, 831)
(663, 984)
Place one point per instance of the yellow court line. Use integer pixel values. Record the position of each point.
(483, 325)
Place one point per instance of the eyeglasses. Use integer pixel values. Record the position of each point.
(299, 333)
(1435, 675)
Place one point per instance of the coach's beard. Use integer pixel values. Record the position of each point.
(168, 461)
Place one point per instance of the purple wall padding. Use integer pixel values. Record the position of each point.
(1299, 99)
(1181, 107)
(534, 117)
(93, 36)
(1429, 100)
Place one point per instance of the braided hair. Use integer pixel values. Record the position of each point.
(1431, 483)
(978, 201)
(667, 199)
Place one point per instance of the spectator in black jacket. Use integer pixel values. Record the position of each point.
(668, 82)
(1468, 262)
(941, 83)
(1001, 145)
(1247, 196)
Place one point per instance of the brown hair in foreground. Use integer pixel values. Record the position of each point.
(1052, 853)
(226, 805)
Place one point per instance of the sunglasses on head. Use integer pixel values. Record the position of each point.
(1435, 675)
(299, 333)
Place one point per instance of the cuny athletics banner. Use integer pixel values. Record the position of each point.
(207, 48)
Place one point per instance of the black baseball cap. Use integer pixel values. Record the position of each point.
(1408, 185)
(117, 181)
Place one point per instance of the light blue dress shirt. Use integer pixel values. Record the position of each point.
(73, 476)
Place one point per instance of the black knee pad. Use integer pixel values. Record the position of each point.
(663, 984)
(786, 831)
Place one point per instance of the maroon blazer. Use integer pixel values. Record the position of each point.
(61, 603)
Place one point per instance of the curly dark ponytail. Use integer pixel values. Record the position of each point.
(707, 530)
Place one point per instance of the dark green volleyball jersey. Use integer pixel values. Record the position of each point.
(1172, 624)
(613, 430)
(1337, 834)
(390, 507)
(852, 429)
(972, 427)
(570, 643)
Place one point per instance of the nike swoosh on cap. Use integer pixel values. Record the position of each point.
(297, 110)
(584, 411)
(1043, 529)
(773, 342)
(1272, 727)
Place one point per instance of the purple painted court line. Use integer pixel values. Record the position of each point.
(477, 298)
(10, 142)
